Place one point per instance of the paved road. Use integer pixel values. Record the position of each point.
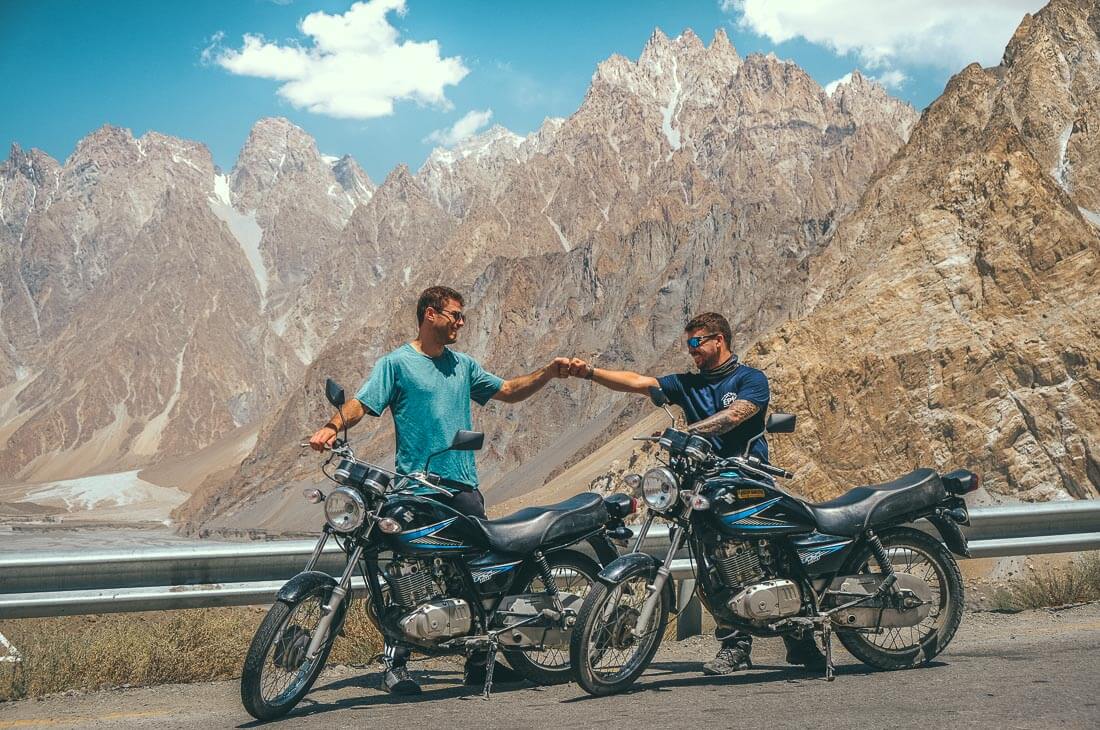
(1038, 669)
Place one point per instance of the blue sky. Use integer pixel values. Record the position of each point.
(183, 68)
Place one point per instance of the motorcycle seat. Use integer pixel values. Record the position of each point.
(872, 505)
(532, 528)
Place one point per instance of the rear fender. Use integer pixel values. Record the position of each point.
(606, 554)
(303, 584)
(951, 533)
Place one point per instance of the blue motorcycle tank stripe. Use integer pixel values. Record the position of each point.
(750, 511)
(429, 530)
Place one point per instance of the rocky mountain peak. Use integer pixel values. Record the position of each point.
(353, 179)
(33, 164)
(866, 101)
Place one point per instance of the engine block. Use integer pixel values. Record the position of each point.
(738, 563)
(410, 582)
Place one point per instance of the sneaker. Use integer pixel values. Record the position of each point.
(396, 680)
(804, 652)
(730, 659)
(473, 674)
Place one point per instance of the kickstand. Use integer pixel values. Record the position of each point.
(489, 669)
(827, 640)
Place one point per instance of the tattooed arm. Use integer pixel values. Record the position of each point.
(727, 420)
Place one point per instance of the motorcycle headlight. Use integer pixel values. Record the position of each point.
(345, 509)
(659, 488)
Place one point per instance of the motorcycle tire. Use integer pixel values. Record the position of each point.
(611, 625)
(279, 647)
(551, 666)
(892, 649)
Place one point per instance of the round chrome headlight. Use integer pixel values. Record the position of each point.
(345, 509)
(659, 488)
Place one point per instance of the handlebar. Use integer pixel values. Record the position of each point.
(754, 464)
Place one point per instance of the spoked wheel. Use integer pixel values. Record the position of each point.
(276, 673)
(609, 650)
(923, 557)
(574, 575)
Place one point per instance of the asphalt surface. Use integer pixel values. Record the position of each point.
(1037, 669)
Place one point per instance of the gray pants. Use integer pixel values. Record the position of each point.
(468, 503)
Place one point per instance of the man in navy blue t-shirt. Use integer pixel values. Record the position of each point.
(727, 401)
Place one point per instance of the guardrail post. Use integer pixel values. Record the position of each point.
(689, 612)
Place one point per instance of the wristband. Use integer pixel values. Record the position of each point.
(591, 372)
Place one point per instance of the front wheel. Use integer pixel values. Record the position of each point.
(276, 674)
(924, 557)
(605, 652)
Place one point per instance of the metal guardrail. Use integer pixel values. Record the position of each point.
(59, 584)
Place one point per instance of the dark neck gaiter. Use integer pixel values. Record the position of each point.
(721, 372)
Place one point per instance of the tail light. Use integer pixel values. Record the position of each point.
(620, 505)
(961, 481)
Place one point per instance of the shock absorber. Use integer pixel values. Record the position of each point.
(884, 563)
(546, 573)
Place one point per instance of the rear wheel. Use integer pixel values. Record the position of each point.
(276, 674)
(573, 574)
(924, 557)
(606, 655)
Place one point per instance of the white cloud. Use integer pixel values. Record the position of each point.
(884, 34)
(355, 66)
(892, 78)
(465, 127)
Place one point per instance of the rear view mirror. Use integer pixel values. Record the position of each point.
(658, 396)
(334, 393)
(780, 423)
(468, 441)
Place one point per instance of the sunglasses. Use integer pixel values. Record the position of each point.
(694, 342)
(456, 316)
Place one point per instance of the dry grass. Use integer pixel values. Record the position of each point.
(114, 650)
(1074, 583)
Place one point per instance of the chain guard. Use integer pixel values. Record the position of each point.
(883, 613)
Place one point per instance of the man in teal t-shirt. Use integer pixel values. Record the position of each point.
(428, 388)
(429, 398)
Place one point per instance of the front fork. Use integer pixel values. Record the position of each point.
(654, 589)
(339, 593)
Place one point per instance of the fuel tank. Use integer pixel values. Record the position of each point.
(748, 509)
(431, 528)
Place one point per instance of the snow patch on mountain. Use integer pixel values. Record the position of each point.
(245, 229)
(669, 111)
(1061, 170)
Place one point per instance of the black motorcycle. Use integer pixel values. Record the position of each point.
(437, 581)
(771, 564)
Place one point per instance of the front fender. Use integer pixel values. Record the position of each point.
(635, 564)
(303, 584)
(952, 534)
(628, 566)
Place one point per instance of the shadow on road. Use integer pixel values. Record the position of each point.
(659, 677)
(687, 674)
(436, 686)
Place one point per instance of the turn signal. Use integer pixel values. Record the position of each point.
(389, 525)
(313, 496)
(700, 503)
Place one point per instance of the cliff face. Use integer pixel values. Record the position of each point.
(690, 179)
(954, 319)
